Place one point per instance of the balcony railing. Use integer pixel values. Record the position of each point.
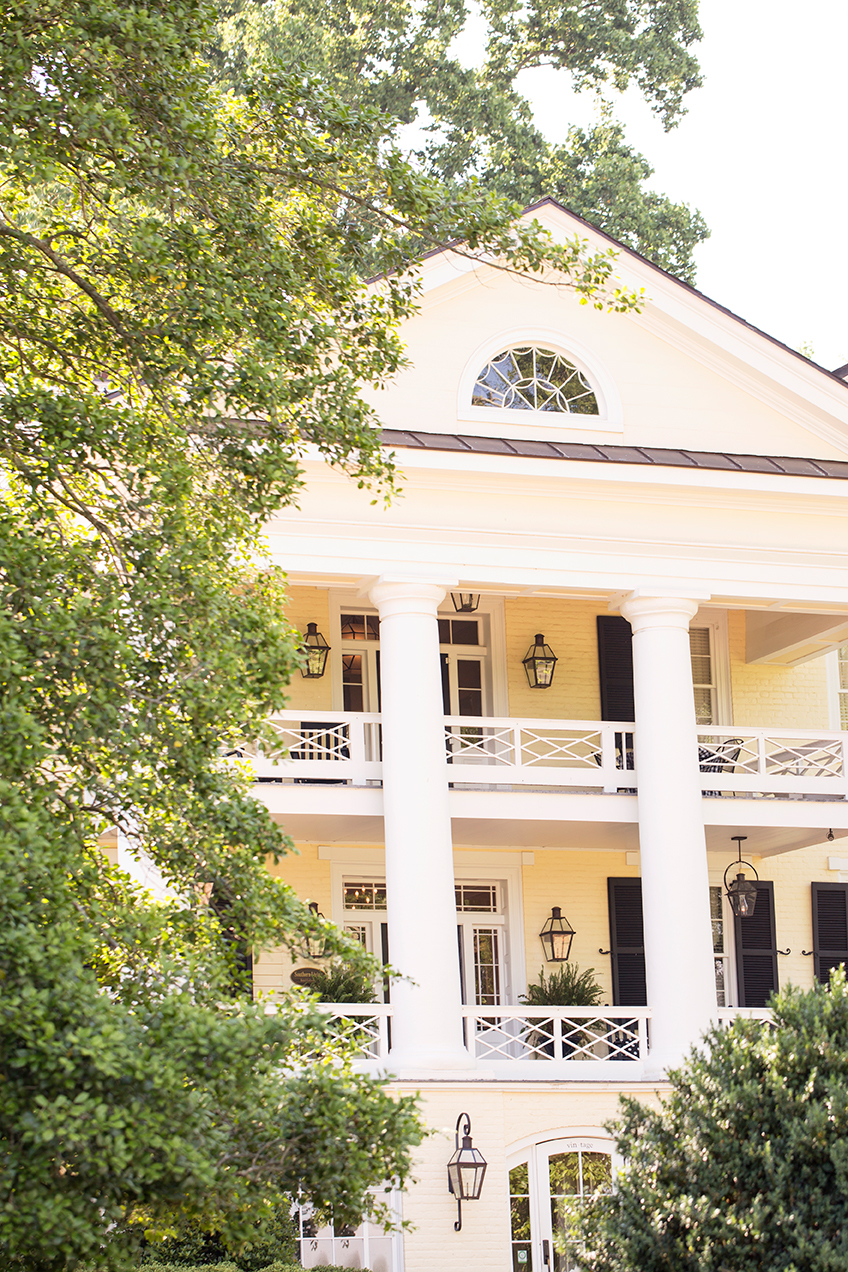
(510, 1035)
(345, 748)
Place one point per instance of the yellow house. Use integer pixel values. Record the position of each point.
(589, 653)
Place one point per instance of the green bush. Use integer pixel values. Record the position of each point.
(232, 1267)
(340, 983)
(194, 1248)
(566, 986)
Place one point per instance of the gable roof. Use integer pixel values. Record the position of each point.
(548, 201)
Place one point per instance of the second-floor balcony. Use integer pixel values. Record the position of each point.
(586, 756)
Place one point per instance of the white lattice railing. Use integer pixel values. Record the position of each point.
(514, 1034)
(346, 747)
(365, 1025)
(774, 761)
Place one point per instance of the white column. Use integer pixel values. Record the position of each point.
(426, 1015)
(675, 880)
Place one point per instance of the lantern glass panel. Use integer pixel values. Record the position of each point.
(539, 664)
(743, 896)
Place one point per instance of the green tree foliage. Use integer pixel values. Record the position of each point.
(745, 1165)
(566, 986)
(180, 316)
(397, 56)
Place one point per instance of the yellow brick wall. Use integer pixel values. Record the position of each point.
(570, 629)
(310, 879)
(310, 605)
(792, 873)
(499, 1119)
(577, 882)
(783, 697)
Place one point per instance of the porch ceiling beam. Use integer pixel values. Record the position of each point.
(791, 639)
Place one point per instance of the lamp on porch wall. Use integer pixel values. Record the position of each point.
(316, 650)
(466, 1170)
(313, 946)
(556, 937)
(539, 663)
(742, 892)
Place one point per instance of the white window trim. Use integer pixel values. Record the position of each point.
(468, 867)
(610, 418)
(716, 880)
(716, 620)
(492, 606)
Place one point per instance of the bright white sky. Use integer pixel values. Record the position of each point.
(762, 152)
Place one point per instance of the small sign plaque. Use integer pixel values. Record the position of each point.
(305, 976)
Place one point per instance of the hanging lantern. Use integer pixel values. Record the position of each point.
(539, 663)
(465, 602)
(556, 937)
(316, 650)
(742, 892)
(313, 946)
(466, 1170)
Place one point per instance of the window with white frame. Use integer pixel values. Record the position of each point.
(721, 953)
(842, 685)
(703, 674)
(532, 378)
(548, 1188)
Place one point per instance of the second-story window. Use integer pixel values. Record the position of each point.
(360, 662)
(842, 663)
(703, 676)
(530, 378)
(465, 666)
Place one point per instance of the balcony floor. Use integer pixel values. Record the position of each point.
(503, 818)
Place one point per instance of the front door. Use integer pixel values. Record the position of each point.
(548, 1186)
(481, 936)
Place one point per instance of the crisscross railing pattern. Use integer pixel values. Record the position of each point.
(774, 761)
(334, 746)
(513, 1034)
(363, 1026)
(582, 753)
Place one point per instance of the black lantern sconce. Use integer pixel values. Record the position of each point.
(316, 650)
(313, 946)
(539, 663)
(556, 937)
(466, 1170)
(742, 892)
(465, 602)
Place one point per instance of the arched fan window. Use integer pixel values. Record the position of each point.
(529, 378)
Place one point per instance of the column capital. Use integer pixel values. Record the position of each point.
(406, 594)
(643, 608)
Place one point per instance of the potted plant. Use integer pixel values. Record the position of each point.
(566, 986)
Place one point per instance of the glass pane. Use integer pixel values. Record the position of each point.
(597, 1173)
(464, 631)
(565, 1173)
(721, 983)
(564, 1221)
(444, 631)
(486, 967)
(703, 705)
(470, 702)
(365, 896)
(469, 673)
(534, 379)
(477, 897)
(519, 1210)
(519, 1180)
(352, 688)
(360, 627)
(717, 916)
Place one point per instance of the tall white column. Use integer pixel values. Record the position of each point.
(426, 1015)
(675, 880)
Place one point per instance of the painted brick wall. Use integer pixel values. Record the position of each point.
(569, 628)
(499, 1119)
(784, 697)
(577, 882)
(310, 605)
(310, 879)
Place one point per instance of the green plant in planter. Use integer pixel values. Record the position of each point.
(340, 983)
(566, 986)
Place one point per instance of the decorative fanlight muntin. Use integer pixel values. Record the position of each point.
(556, 937)
(465, 602)
(466, 1169)
(313, 945)
(534, 378)
(539, 663)
(316, 650)
(742, 892)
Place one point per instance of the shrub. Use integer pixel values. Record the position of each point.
(566, 986)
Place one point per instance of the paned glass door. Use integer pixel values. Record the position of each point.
(548, 1189)
(481, 934)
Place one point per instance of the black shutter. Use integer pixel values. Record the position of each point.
(627, 943)
(615, 666)
(830, 927)
(756, 951)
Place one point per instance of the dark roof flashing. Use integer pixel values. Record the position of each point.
(662, 457)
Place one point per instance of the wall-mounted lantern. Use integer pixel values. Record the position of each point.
(742, 892)
(465, 602)
(313, 946)
(539, 663)
(466, 1170)
(556, 937)
(316, 650)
